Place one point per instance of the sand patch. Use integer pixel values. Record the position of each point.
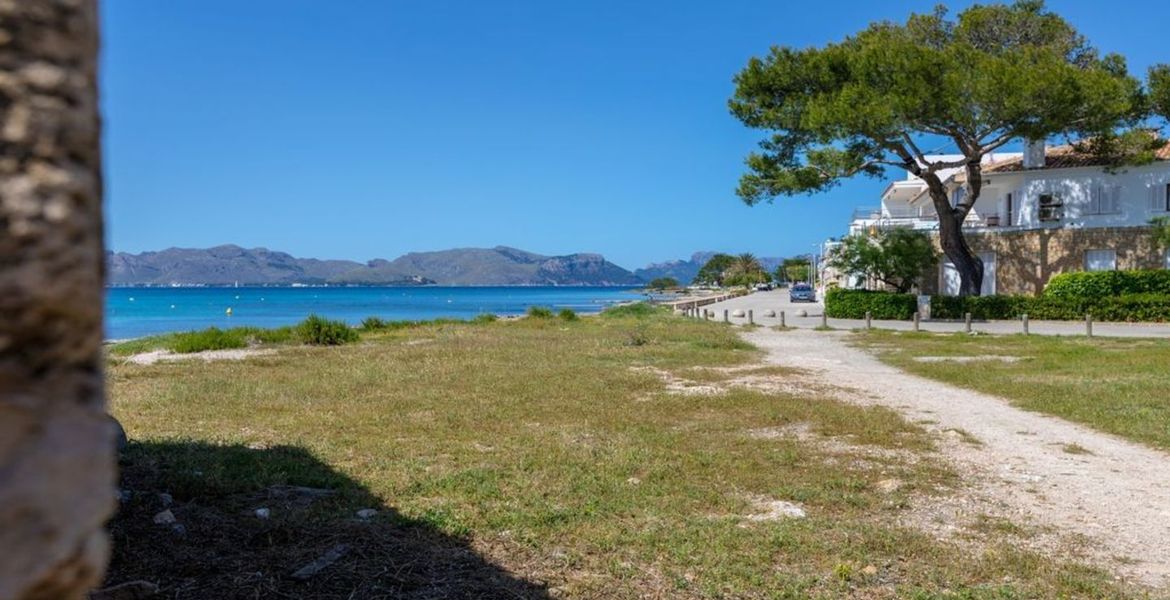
(157, 356)
(969, 359)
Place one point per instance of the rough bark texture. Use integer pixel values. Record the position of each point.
(56, 445)
(954, 244)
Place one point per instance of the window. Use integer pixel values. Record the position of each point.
(1100, 260)
(1051, 207)
(1160, 197)
(1009, 206)
(1105, 200)
(957, 196)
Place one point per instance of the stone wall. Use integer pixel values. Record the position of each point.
(1026, 260)
(56, 444)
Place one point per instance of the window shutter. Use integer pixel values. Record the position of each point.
(1156, 203)
(1097, 200)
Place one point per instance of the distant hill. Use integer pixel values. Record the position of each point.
(226, 265)
(684, 271)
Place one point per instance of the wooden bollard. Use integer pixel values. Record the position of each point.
(917, 321)
(751, 317)
(726, 317)
(868, 320)
(967, 322)
(824, 320)
(782, 319)
(1024, 318)
(1089, 324)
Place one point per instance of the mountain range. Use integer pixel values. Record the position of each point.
(230, 264)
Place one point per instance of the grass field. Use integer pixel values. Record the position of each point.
(1116, 385)
(537, 458)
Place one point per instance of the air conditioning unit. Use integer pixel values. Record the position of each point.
(1051, 207)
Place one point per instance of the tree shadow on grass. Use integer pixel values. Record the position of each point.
(218, 547)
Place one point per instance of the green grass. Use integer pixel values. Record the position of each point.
(1111, 384)
(553, 452)
(211, 338)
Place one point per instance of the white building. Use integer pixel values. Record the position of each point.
(1041, 212)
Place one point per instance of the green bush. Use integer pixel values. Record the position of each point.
(320, 331)
(1131, 307)
(374, 323)
(212, 338)
(637, 310)
(853, 304)
(567, 314)
(540, 312)
(485, 318)
(1095, 284)
(980, 307)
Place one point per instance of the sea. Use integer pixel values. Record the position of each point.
(137, 312)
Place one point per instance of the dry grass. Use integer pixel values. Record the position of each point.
(518, 459)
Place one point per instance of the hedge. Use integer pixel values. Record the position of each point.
(1131, 307)
(1097, 284)
(853, 304)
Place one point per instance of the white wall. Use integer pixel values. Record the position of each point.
(1076, 187)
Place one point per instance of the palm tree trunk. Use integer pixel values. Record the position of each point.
(56, 444)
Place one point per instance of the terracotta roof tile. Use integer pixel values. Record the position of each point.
(1062, 157)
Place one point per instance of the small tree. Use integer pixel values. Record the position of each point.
(794, 269)
(663, 283)
(896, 257)
(995, 74)
(745, 270)
(712, 272)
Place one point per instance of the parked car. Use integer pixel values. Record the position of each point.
(763, 287)
(802, 292)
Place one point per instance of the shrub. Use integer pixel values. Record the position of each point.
(320, 331)
(637, 310)
(853, 304)
(567, 314)
(540, 312)
(1131, 307)
(637, 337)
(663, 283)
(1095, 284)
(980, 307)
(212, 338)
(276, 335)
(374, 323)
(485, 318)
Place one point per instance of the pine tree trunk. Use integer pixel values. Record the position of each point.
(954, 245)
(56, 444)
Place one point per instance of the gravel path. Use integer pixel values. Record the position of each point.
(1117, 495)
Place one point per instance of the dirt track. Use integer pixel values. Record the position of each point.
(1014, 463)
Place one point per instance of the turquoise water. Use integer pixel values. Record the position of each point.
(135, 312)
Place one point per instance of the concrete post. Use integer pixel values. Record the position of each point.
(967, 322)
(57, 463)
(1024, 318)
(726, 317)
(917, 320)
(868, 320)
(751, 317)
(1089, 324)
(824, 320)
(782, 319)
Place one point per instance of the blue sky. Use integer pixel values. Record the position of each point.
(369, 128)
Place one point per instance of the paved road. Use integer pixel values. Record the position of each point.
(777, 300)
